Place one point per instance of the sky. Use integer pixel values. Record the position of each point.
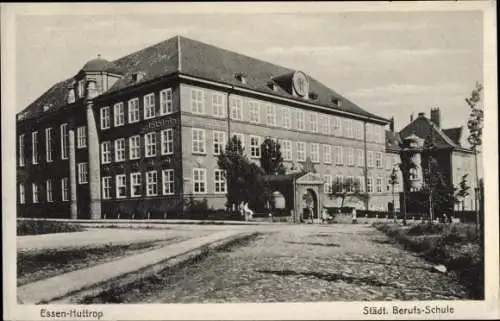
(392, 64)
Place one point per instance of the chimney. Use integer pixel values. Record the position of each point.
(436, 116)
(411, 117)
(391, 124)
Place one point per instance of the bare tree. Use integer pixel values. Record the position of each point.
(346, 188)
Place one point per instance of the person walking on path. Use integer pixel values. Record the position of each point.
(324, 215)
(354, 218)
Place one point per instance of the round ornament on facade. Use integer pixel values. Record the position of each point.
(300, 83)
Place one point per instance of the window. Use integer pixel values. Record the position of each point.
(81, 88)
(119, 114)
(83, 173)
(377, 133)
(369, 158)
(135, 184)
(64, 189)
(241, 138)
(370, 184)
(106, 152)
(360, 156)
(120, 150)
(21, 150)
(327, 154)
(150, 144)
(254, 112)
(167, 141)
(105, 123)
(22, 194)
(219, 181)
(379, 184)
(338, 182)
(271, 115)
(35, 191)
(336, 126)
(81, 137)
(219, 142)
(324, 124)
(106, 187)
(388, 162)
(301, 151)
(121, 186)
(218, 105)
(254, 146)
(287, 120)
(378, 160)
(151, 183)
(300, 120)
(350, 157)
(369, 132)
(315, 152)
(133, 110)
(34, 147)
(286, 147)
(168, 181)
(361, 183)
(166, 105)
(64, 141)
(327, 187)
(337, 150)
(149, 106)
(313, 122)
(198, 140)
(199, 181)
(134, 144)
(49, 191)
(350, 184)
(197, 101)
(358, 130)
(48, 144)
(348, 128)
(236, 108)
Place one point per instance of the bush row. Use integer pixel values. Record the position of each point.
(33, 227)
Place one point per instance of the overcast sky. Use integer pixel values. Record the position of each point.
(389, 63)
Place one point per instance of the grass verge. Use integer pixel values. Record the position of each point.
(29, 227)
(456, 246)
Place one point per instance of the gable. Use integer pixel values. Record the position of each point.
(310, 178)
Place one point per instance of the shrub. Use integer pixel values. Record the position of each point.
(34, 227)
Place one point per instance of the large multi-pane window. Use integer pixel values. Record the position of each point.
(254, 112)
(379, 184)
(22, 194)
(361, 183)
(168, 181)
(327, 187)
(64, 141)
(119, 114)
(218, 105)
(34, 147)
(150, 144)
(121, 186)
(106, 187)
(378, 160)
(358, 129)
(324, 124)
(301, 151)
(64, 189)
(348, 128)
(241, 138)
(350, 157)
(106, 152)
(236, 105)
(197, 101)
(300, 120)
(219, 142)
(83, 173)
(286, 148)
(369, 158)
(313, 122)
(48, 144)
(315, 152)
(151, 183)
(149, 106)
(35, 192)
(327, 154)
(135, 184)
(360, 157)
(120, 150)
(287, 119)
(339, 179)
(134, 144)
(254, 146)
(133, 110)
(198, 140)
(219, 181)
(271, 114)
(166, 105)
(369, 132)
(81, 137)
(199, 180)
(167, 141)
(21, 150)
(339, 158)
(105, 118)
(369, 184)
(336, 126)
(49, 190)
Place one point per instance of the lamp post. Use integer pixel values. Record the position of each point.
(393, 181)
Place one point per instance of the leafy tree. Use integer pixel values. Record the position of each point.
(308, 166)
(271, 160)
(346, 188)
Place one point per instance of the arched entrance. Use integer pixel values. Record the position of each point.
(309, 205)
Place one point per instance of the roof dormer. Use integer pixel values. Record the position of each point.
(241, 77)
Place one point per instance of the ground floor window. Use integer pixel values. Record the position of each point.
(135, 184)
(64, 189)
(22, 194)
(34, 188)
(219, 181)
(106, 187)
(151, 183)
(48, 190)
(121, 186)
(199, 181)
(168, 182)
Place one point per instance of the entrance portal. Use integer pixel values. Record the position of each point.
(310, 205)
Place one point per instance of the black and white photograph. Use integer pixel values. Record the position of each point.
(221, 160)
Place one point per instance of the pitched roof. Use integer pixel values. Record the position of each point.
(197, 59)
(455, 134)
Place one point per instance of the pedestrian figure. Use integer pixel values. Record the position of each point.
(354, 218)
(324, 215)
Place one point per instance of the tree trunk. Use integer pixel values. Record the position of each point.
(476, 192)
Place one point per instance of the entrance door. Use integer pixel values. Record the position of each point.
(310, 205)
